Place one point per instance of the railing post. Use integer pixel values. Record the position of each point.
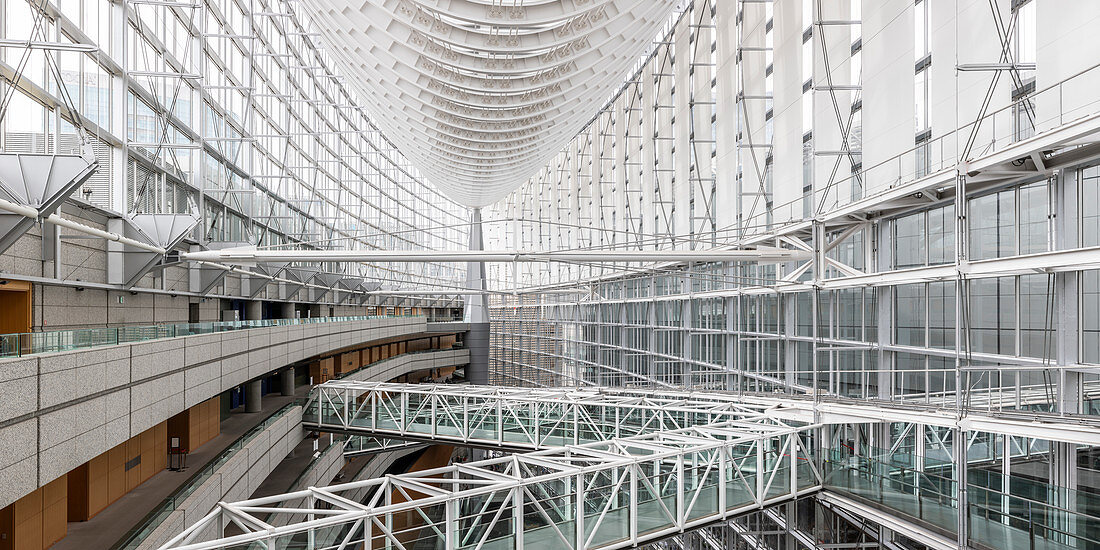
(347, 409)
(450, 525)
(722, 464)
(465, 418)
(576, 422)
(373, 410)
(578, 513)
(499, 421)
(517, 514)
(633, 496)
(795, 445)
(680, 513)
(759, 471)
(404, 413)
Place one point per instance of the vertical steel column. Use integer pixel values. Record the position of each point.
(687, 321)
(1066, 318)
(818, 271)
(517, 515)
(477, 309)
(579, 511)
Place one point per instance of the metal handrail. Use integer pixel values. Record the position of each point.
(134, 537)
(30, 343)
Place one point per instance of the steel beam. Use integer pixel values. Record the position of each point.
(247, 257)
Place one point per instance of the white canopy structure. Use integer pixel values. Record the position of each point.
(479, 95)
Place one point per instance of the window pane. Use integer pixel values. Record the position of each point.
(1090, 316)
(941, 315)
(992, 234)
(941, 235)
(1034, 231)
(1036, 316)
(993, 315)
(1090, 207)
(910, 315)
(909, 241)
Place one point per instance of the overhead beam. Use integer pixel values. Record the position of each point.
(248, 257)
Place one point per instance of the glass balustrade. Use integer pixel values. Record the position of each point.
(136, 536)
(1028, 515)
(29, 343)
(639, 499)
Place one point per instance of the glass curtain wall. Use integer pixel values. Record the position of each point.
(885, 313)
(228, 109)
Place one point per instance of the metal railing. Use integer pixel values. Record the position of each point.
(30, 343)
(605, 494)
(136, 536)
(1022, 118)
(1026, 514)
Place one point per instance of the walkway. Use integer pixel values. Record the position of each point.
(518, 419)
(111, 525)
(32, 343)
(640, 466)
(632, 489)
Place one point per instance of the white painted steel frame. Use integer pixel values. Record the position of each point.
(687, 468)
(266, 82)
(516, 418)
(251, 256)
(459, 413)
(481, 95)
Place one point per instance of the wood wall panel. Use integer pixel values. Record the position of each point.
(55, 516)
(16, 313)
(348, 362)
(116, 474)
(37, 520)
(96, 484)
(98, 494)
(194, 426)
(322, 371)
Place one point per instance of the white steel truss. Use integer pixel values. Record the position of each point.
(480, 95)
(539, 418)
(762, 254)
(644, 466)
(512, 417)
(607, 494)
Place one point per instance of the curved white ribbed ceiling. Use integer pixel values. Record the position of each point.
(480, 95)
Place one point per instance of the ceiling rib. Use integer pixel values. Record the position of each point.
(481, 95)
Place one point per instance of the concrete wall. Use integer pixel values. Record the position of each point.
(236, 479)
(410, 362)
(377, 465)
(63, 308)
(321, 470)
(62, 409)
(161, 296)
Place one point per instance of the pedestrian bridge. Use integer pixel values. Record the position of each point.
(603, 469)
(518, 419)
(606, 470)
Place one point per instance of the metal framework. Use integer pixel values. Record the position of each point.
(521, 419)
(480, 95)
(898, 300)
(607, 494)
(270, 147)
(763, 254)
(579, 438)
